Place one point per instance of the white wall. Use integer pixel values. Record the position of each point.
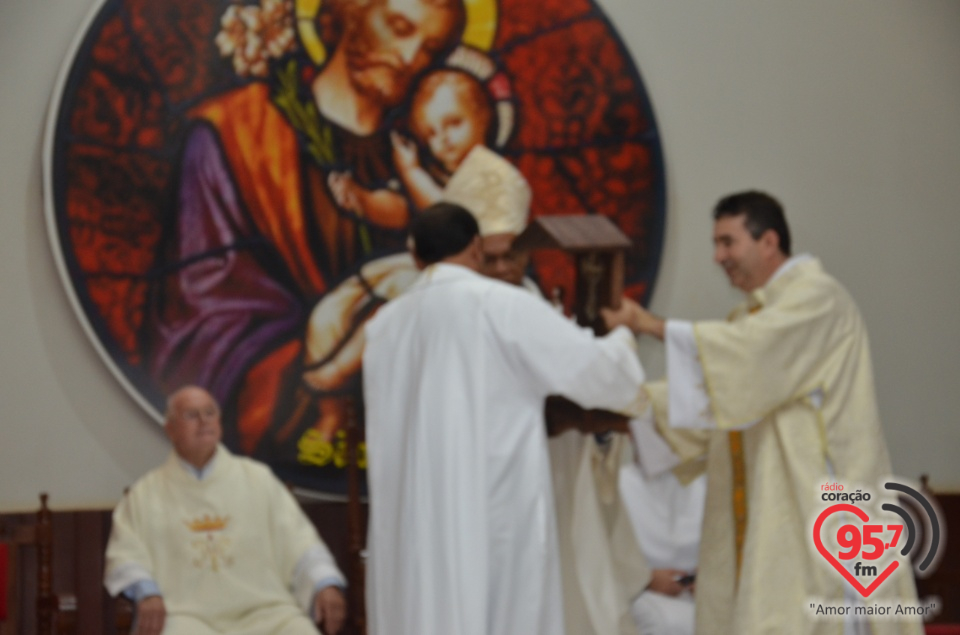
(847, 110)
(66, 426)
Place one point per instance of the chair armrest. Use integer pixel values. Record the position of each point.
(124, 617)
(66, 609)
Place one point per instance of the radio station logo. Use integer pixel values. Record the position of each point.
(862, 546)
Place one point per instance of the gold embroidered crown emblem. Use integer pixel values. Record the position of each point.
(216, 523)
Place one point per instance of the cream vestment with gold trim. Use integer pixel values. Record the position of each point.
(224, 550)
(791, 370)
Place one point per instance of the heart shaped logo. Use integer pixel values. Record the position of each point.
(878, 545)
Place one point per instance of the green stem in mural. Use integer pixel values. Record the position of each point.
(304, 116)
(305, 119)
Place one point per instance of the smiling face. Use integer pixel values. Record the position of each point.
(389, 41)
(748, 262)
(193, 425)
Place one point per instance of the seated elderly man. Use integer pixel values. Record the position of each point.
(214, 543)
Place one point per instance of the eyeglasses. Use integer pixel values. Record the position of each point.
(510, 258)
(198, 415)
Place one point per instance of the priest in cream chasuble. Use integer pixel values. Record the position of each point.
(773, 402)
(213, 543)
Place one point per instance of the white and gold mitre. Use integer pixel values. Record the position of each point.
(491, 189)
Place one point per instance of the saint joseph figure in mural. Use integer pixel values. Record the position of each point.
(258, 237)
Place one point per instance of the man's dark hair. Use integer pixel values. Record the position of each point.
(762, 212)
(442, 230)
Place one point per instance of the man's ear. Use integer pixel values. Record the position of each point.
(476, 250)
(770, 240)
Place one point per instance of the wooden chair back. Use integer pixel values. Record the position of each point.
(26, 555)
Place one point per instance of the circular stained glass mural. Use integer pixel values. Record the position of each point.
(228, 184)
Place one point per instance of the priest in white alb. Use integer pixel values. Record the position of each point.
(462, 534)
(211, 543)
(602, 567)
(778, 399)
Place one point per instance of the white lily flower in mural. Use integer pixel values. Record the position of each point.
(253, 35)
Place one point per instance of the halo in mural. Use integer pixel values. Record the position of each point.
(228, 184)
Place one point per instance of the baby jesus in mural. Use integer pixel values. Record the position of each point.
(450, 114)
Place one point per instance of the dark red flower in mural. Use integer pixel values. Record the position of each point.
(206, 204)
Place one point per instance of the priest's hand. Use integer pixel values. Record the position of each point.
(634, 317)
(665, 581)
(330, 608)
(151, 616)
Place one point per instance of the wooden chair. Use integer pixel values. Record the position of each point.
(17, 541)
(942, 581)
(125, 614)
